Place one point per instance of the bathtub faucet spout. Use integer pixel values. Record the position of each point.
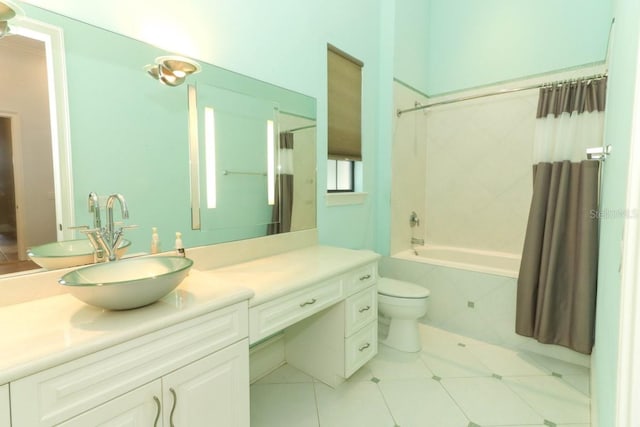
(415, 241)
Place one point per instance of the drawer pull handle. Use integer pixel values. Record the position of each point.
(155, 422)
(363, 309)
(173, 408)
(364, 347)
(313, 301)
(365, 277)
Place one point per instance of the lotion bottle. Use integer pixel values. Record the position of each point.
(179, 245)
(155, 241)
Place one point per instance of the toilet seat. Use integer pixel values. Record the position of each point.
(399, 289)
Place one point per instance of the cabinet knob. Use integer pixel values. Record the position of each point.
(363, 309)
(312, 301)
(365, 277)
(364, 347)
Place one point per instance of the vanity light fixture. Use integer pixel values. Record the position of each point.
(7, 11)
(172, 70)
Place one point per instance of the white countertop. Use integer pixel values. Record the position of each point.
(46, 332)
(277, 275)
(39, 334)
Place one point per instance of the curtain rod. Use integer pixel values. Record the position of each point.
(399, 112)
(299, 129)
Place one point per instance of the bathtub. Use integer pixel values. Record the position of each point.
(498, 263)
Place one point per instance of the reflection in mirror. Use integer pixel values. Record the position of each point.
(237, 160)
(297, 158)
(258, 166)
(130, 135)
(26, 217)
(35, 173)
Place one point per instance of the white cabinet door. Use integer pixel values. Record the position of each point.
(5, 414)
(140, 407)
(213, 391)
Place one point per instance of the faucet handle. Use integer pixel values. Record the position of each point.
(87, 230)
(122, 226)
(78, 227)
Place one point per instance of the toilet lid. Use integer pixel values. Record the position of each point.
(400, 289)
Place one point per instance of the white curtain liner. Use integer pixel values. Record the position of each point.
(567, 136)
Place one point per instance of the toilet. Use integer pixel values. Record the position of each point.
(402, 303)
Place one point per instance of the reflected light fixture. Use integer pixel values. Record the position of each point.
(7, 11)
(172, 70)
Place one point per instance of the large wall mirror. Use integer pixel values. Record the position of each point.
(117, 130)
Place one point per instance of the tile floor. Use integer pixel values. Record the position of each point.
(454, 381)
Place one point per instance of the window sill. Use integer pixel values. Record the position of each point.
(342, 199)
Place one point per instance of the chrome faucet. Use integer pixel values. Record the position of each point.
(106, 240)
(115, 236)
(94, 208)
(414, 221)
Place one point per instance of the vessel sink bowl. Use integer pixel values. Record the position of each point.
(68, 253)
(129, 283)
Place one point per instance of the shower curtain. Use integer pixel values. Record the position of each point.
(557, 281)
(283, 206)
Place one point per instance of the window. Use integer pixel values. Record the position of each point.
(344, 82)
(340, 176)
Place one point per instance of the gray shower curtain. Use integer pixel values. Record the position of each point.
(557, 281)
(283, 206)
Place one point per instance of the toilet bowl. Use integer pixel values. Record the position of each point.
(403, 303)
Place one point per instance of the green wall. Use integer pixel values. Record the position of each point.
(435, 46)
(283, 43)
(473, 43)
(621, 85)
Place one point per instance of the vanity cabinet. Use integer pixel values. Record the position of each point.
(5, 414)
(210, 391)
(273, 316)
(334, 343)
(195, 373)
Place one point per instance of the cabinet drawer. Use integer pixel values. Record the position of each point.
(360, 348)
(138, 407)
(54, 395)
(5, 415)
(361, 278)
(268, 318)
(360, 309)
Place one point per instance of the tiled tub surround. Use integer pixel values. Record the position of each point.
(477, 305)
(408, 166)
(465, 169)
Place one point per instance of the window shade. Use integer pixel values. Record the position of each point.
(344, 75)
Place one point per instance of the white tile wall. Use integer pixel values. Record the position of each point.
(407, 168)
(465, 168)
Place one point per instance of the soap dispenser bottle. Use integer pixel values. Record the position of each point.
(179, 245)
(155, 241)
